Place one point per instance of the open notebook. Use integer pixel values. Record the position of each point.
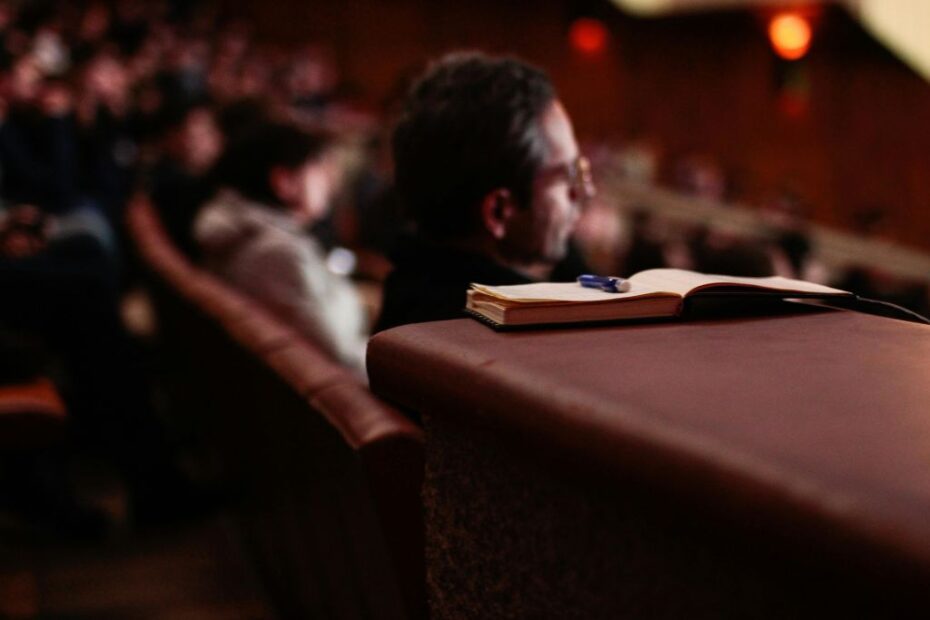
(653, 293)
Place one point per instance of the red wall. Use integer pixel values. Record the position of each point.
(704, 83)
(709, 84)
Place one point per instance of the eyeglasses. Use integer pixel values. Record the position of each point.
(579, 177)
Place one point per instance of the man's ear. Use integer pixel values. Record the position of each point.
(497, 208)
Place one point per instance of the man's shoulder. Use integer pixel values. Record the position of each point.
(437, 262)
(411, 299)
(430, 283)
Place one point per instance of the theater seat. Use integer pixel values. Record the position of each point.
(329, 475)
(32, 416)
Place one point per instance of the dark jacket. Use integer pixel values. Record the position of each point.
(429, 282)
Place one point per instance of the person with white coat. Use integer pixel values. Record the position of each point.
(274, 183)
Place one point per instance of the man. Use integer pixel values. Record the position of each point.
(488, 169)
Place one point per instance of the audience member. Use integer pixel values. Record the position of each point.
(487, 166)
(274, 183)
(181, 180)
(107, 146)
(38, 149)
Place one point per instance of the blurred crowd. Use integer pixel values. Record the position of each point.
(100, 100)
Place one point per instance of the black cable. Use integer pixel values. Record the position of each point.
(910, 314)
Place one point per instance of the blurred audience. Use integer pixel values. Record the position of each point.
(61, 293)
(98, 99)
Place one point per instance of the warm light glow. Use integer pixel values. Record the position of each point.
(588, 35)
(790, 34)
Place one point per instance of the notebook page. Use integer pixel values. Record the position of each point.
(682, 281)
(672, 280)
(558, 292)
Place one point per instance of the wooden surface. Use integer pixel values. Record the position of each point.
(818, 423)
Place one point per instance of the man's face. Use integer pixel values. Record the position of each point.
(540, 233)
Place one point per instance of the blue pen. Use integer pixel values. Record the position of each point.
(609, 284)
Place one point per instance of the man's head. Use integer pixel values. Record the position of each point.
(485, 153)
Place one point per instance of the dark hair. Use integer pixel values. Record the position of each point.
(246, 164)
(470, 126)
